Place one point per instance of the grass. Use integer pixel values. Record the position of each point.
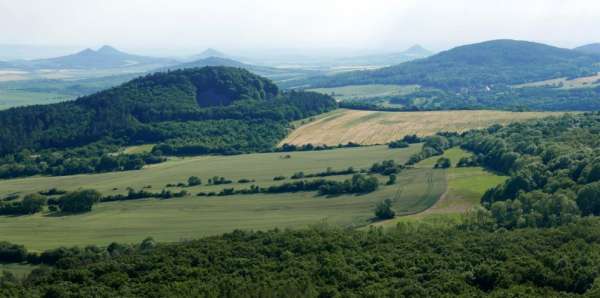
(372, 127)
(138, 149)
(12, 98)
(565, 83)
(260, 167)
(465, 187)
(193, 217)
(19, 270)
(362, 92)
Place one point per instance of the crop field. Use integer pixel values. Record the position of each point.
(360, 92)
(192, 216)
(565, 83)
(372, 127)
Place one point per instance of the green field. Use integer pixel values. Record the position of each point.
(367, 92)
(464, 189)
(19, 270)
(192, 217)
(12, 98)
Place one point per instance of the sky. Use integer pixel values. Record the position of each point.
(182, 27)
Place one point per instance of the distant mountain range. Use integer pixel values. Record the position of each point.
(104, 58)
(593, 48)
(412, 53)
(273, 73)
(477, 65)
(208, 53)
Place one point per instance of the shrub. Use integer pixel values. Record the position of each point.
(391, 180)
(398, 144)
(383, 210)
(278, 178)
(193, 181)
(442, 163)
(79, 201)
(33, 203)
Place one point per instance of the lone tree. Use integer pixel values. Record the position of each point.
(391, 179)
(442, 163)
(33, 203)
(79, 201)
(193, 181)
(383, 210)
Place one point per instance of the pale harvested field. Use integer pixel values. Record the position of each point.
(371, 127)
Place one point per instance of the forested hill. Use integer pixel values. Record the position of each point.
(203, 110)
(593, 48)
(477, 65)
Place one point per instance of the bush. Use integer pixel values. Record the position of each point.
(33, 203)
(12, 253)
(391, 180)
(383, 210)
(53, 192)
(193, 181)
(79, 201)
(278, 178)
(398, 144)
(442, 163)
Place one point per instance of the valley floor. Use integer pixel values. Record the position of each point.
(177, 219)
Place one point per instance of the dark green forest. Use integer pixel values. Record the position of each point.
(481, 76)
(408, 261)
(211, 110)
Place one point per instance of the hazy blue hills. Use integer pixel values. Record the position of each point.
(274, 73)
(593, 48)
(104, 58)
(412, 53)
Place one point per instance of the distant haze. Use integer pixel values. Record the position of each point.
(180, 27)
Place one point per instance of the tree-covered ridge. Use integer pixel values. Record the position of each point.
(321, 262)
(554, 168)
(192, 111)
(496, 62)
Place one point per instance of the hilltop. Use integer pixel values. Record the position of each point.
(203, 110)
(593, 48)
(208, 53)
(103, 58)
(386, 59)
(273, 73)
(477, 65)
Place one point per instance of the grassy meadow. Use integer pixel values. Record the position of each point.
(363, 92)
(373, 127)
(566, 83)
(464, 189)
(13, 98)
(192, 216)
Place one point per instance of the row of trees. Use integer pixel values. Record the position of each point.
(359, 183)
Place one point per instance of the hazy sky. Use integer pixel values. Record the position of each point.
(185, 26)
